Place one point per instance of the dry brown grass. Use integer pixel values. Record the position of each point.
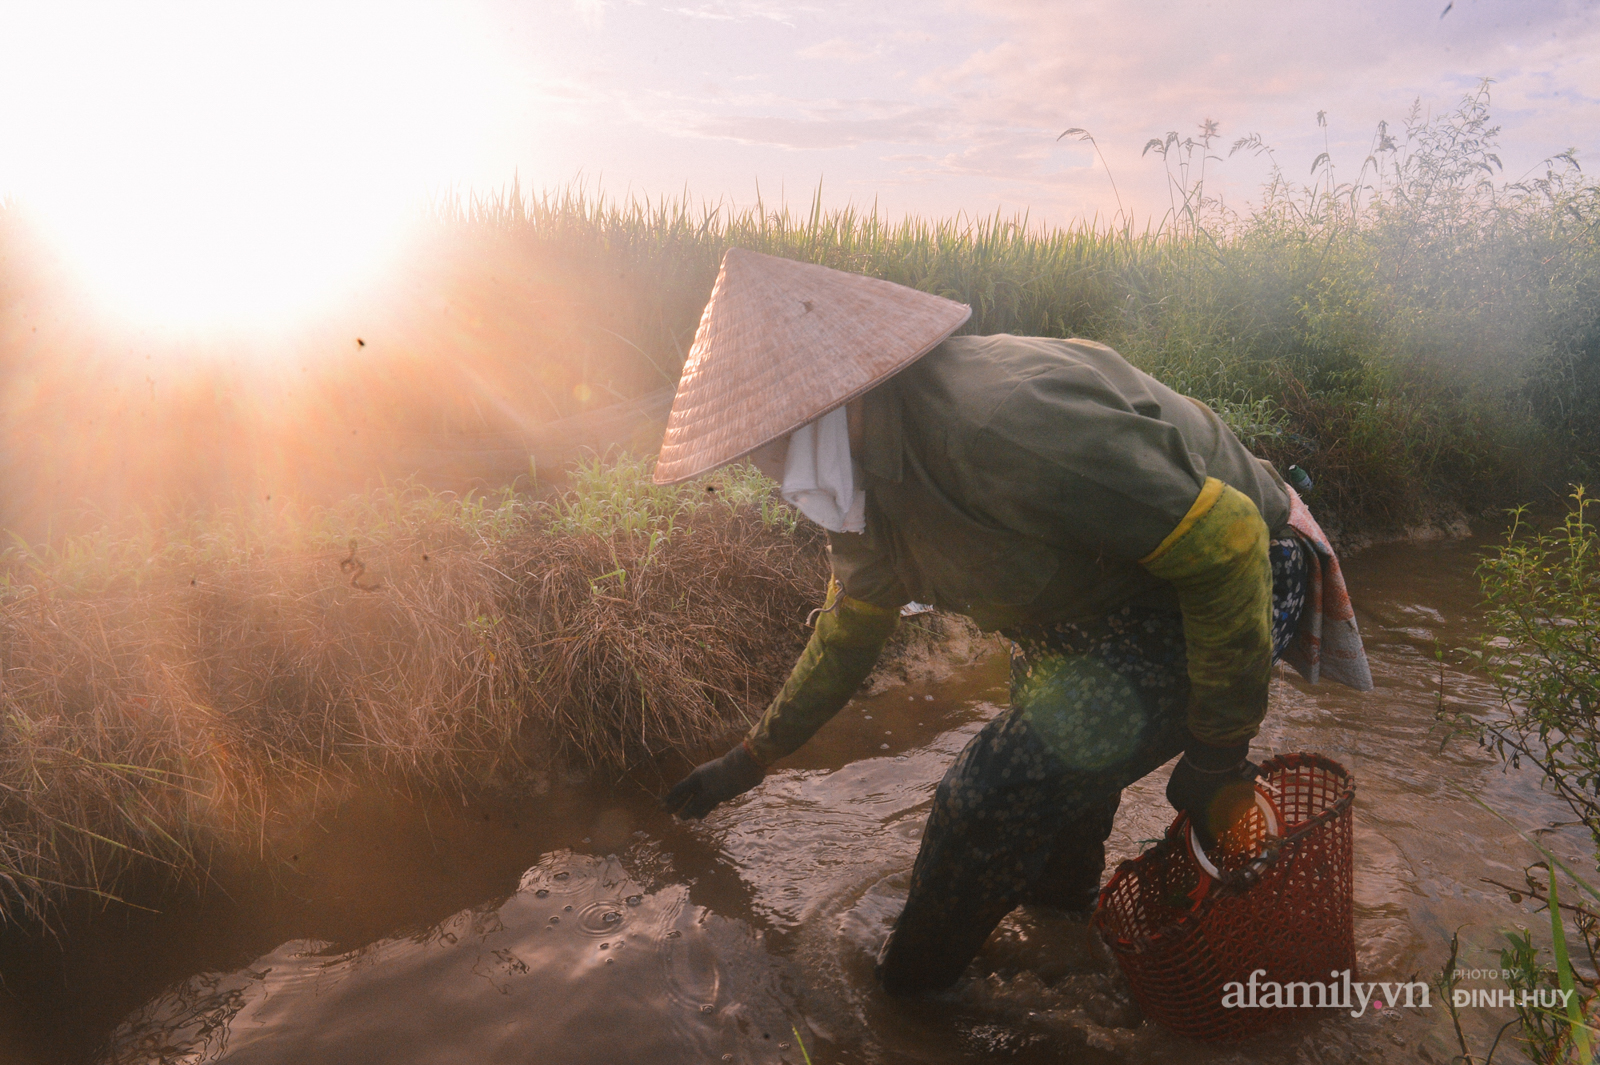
(623, 660)
(174, 701)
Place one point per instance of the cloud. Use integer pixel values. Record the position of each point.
(592, 13)
(1254, 66)
(964, 99)
(740, 11)
(841, 49)
(820, 130)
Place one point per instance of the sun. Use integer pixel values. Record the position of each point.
(233, 164)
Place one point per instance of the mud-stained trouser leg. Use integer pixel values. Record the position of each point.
(1040, 782)
(1024, 811)
(1070, 877)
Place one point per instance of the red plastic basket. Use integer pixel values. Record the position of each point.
(1282, 904)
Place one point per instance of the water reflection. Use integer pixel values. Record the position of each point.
(706, 942)
(581, 964)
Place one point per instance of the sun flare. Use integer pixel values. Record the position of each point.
(205, 164)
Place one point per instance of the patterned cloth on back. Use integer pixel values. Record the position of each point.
(1328, 642)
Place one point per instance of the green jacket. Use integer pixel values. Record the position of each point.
(1022, 480)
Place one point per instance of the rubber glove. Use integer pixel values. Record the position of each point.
(712, 782)
(1215, 786)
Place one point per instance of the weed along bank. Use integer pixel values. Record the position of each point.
(624, 902)
(906, 643)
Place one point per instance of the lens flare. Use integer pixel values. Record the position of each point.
(201, 164)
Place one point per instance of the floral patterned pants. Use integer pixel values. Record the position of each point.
(1023, 813)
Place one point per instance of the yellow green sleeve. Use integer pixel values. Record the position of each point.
(843, 649)
(1217, 560)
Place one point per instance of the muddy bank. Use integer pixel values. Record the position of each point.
(930, 647)
(245, 675)
(426, 919)
(181, 700)
(1440, 523)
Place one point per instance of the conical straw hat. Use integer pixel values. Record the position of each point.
(782, 343)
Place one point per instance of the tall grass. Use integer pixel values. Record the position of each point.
(175, 693)
(1541, 591)
(1425, 334)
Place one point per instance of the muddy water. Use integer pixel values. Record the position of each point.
(584, 926)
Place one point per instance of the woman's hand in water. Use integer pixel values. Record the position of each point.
(715, 781)
(1214, 786)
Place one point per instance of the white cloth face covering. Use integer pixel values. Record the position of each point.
(819, 478)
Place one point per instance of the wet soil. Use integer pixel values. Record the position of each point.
(583, 925)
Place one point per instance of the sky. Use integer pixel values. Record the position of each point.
(168, 142)
(945, 108)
